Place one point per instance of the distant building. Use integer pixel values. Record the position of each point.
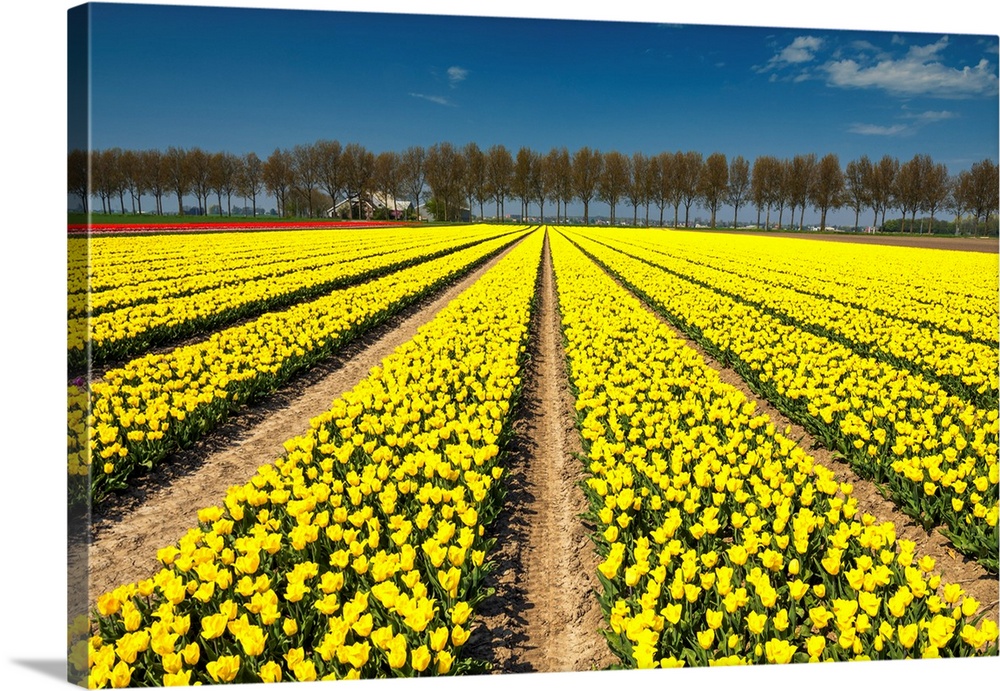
(366, 208)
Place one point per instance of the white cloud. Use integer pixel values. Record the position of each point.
(880, 130)
(456, 75)
(800, 50)
(933, 116)
(441, 100)
(929, 51)
(915, 122)
(920, 72)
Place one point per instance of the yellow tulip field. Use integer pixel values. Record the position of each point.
(368, 546)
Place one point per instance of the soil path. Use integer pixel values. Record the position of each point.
(953, 566)
(544, 616)
(163, 505)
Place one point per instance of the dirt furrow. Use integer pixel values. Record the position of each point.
(544, 616)
(953, 566)
(163, 505)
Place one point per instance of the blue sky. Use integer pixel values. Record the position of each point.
(242, 80)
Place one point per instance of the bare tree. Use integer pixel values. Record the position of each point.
(251, 179)
(882, 186)
(133, 177)
(713, 182)
(550, 169)
(215, 177)
(801, 179)
(908, 192)
(156, 176)
(688, 174)
(445, 170)
(110, 176)
(856, 174)
(637, 188)
(614, 180)
(475, 176)
(389, 178)
(224, 168)
(539, 183)
(499, 175)
(587, 165)
(760, 190)
(328, 168)
(104, 169)
(935, 190)
(278, 177)
(661, 180)
(977, 191)
(827, 192)
(414, 172)
(197, 161)
(522, 186)
(956, 201)
(78, 176)
(739, 185)
(306, 169)
(358, 168)
(781, 189)
(179, 180)
(563, 179)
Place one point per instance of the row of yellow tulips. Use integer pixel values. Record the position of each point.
(969, 369)
(936, 453)
(132, 330)
(139, 413)
(101, 262)
(722, 541)
(955, 291)
(224, 267)
(360, 552)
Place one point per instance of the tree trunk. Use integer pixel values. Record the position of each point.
(822, 219)
(180, 205)
(736, 213)
(802, 216)
(767, 220)
(586, 212)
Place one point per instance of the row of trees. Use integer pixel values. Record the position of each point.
(308, 179)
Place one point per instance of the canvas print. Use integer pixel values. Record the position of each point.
(412, 345)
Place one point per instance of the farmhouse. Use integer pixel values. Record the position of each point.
(367, 207)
